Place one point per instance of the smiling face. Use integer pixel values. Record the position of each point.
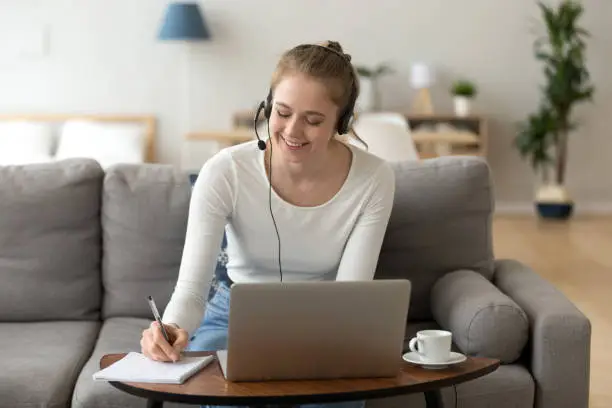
(303, 119)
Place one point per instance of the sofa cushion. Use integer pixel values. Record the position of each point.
(41, 361)
(484, 321)
(50, 241)
(440, 222)
(144, 219)
(118, 335)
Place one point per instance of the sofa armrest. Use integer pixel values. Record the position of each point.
(484, 321)
(560, 336)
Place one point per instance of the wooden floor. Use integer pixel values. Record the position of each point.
(576, 256)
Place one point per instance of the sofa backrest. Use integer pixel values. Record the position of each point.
(144, 219)
(69, 231)
(440, 222)
(50, 241)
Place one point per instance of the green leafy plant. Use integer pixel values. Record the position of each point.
(373, 72)
(532, 140)
(543, 137)
(464, 87)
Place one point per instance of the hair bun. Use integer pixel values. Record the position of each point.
(335, 45)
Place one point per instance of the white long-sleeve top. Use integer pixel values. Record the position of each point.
(340, 239)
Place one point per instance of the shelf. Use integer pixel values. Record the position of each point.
(453, 135)
(227, 137)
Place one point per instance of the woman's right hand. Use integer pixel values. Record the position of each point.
(154, 345)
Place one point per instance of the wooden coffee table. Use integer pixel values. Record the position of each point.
(209, 387)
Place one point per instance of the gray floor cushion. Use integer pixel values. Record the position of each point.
(40, 361)
(118, 335)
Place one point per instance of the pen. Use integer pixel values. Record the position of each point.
(157, 317)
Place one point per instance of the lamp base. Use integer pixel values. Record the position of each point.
(422, 104)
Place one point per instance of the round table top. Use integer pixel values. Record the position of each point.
(209, 387)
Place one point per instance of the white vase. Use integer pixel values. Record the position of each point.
(462, 105)
(366, 99)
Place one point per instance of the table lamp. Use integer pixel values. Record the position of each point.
(421, 78)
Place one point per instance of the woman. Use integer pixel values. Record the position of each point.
(306, 207)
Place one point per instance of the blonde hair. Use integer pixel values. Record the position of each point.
(333, 68)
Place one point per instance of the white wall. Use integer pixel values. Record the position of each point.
(103, 56)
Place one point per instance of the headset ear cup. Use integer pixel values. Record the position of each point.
(345, 119)
(268, 107)
(268, 111)
(343, 124)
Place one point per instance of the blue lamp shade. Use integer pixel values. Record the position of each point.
(183, 21)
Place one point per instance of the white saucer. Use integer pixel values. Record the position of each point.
(455, 358)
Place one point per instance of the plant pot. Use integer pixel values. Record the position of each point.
(367, 98)
(462, 105)
(554, 203)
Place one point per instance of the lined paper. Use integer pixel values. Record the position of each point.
(135, 367)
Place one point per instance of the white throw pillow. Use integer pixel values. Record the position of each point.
(108, 143)
(23, 142)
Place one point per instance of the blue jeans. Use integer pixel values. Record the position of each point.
(212, 333)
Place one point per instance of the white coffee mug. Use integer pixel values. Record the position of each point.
(432, 345)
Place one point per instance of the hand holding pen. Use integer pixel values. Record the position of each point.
(162, 342)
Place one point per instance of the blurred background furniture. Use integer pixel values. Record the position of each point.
(443, 135)
(107, 138)
(387, 135)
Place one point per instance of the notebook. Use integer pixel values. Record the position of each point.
(135, 367)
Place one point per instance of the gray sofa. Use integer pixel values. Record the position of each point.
(80, 249)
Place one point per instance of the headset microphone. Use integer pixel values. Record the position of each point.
(260, 143)
(262, 146)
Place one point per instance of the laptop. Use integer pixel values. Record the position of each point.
(315, 330)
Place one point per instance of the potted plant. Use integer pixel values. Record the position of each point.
(543, 137)
(369, 94)
(463, 92)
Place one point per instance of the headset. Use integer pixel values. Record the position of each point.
(342, 128)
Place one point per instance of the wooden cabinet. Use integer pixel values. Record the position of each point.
(440, 135)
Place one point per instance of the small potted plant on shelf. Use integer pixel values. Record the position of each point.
(369, 94)
(543, 136)
(463, 92)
